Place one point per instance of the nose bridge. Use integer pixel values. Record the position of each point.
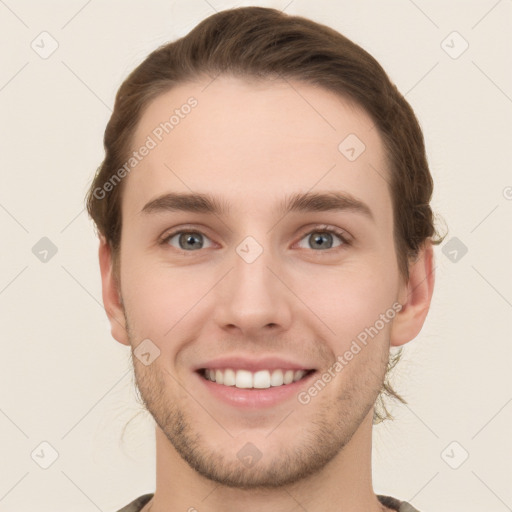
(252, 297)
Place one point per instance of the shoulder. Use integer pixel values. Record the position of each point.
(400, 506)
(394, 504)
(137, 504)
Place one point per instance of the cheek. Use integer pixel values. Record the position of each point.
(158, 299)
(349, 300)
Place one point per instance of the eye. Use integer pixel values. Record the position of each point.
(186, 240)
(322, 238)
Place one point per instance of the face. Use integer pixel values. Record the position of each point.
(252, 276)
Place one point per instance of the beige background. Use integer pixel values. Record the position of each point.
(65, 382)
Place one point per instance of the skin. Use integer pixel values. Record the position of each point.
(250, 144)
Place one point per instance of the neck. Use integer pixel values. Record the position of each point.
(343, 484)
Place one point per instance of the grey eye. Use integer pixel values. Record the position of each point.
(188, 240)
(321, 239)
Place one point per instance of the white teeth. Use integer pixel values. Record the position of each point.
(243, 379)
(288, 377)
(277, 378)
(229, 377)
(262, 379)
(298, 375)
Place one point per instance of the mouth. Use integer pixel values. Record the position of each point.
(258, 380)
(250, 382)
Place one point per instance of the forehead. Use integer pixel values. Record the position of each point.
(252, 142)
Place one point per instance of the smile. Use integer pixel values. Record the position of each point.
(261, 379)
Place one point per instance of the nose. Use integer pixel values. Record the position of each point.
(253, 298)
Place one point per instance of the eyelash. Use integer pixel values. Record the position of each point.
(341, 234)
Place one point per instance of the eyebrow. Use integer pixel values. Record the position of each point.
(297, 202)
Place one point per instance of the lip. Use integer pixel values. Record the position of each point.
(252, 364)
(255, 398)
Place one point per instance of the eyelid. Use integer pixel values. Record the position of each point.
(344, 235)
(170, 233)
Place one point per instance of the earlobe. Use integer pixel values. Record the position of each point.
(416, 296)
(111, 294)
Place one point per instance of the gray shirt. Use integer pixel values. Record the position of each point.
(388, 501)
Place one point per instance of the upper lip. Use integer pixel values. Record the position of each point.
(252, 364)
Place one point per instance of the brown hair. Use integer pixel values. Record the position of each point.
(263, 43)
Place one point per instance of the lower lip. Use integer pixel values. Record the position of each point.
(252, 398)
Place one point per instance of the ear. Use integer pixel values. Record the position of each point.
(415, 296)
(111, 294)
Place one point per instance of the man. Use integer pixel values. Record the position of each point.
(265, 238)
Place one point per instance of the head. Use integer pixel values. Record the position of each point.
(254, 108)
